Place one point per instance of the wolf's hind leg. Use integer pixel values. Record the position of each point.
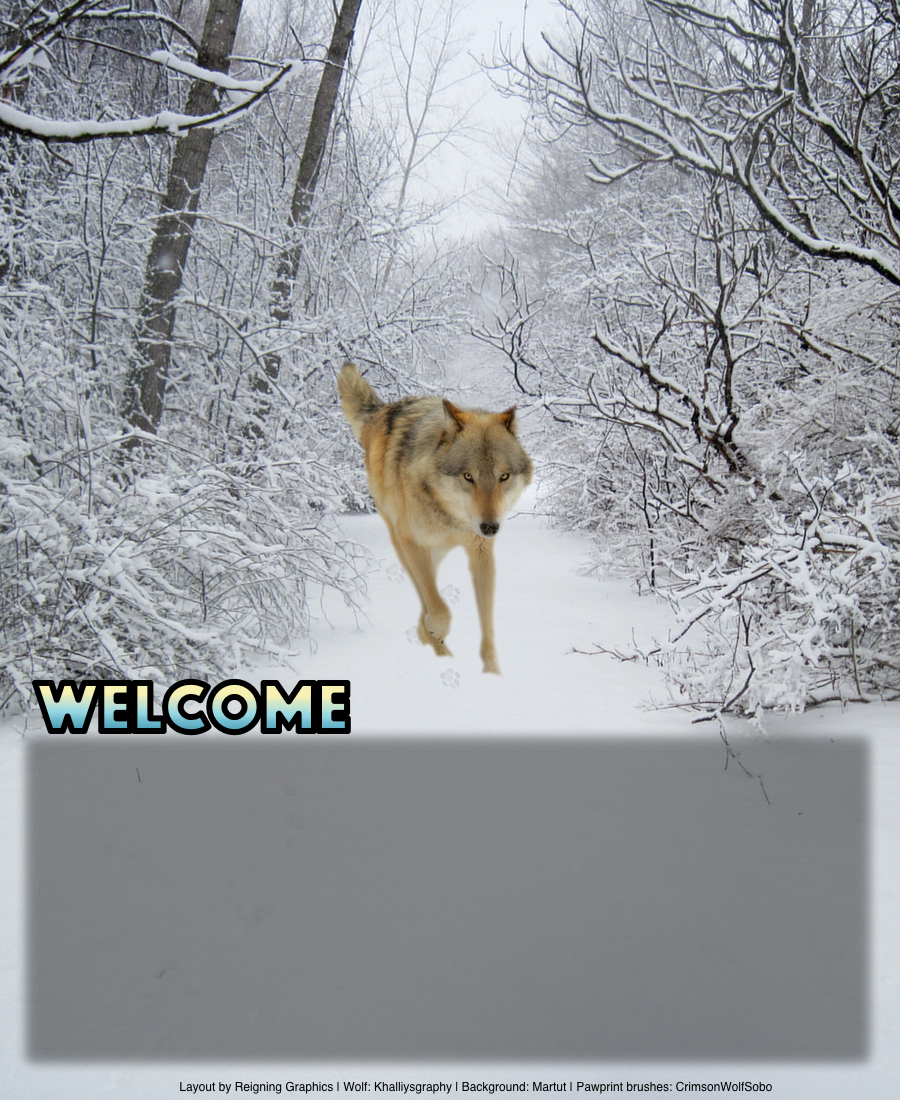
(434, 624)
(420, 564)
(426, 637)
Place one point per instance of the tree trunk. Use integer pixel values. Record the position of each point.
(304, 191)
(146, 387)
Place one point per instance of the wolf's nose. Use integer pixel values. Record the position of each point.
(489, 529)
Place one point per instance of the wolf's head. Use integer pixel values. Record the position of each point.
(484, 465)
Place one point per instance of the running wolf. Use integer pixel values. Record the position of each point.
(440, 477)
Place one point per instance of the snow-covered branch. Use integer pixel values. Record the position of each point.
(163, 122)
(758, 116)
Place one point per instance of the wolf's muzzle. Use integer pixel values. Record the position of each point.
(489, 529)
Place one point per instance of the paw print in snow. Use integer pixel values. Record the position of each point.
(450, 678)
(395, 573)
(412, 636)
(450, 594)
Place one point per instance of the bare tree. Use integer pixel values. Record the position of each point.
(310, 166)
(146, 384)
(427, 114)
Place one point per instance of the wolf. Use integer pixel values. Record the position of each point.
(440, 476)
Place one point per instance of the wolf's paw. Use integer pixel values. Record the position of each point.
(450, 678)
(450, 594)
(437, 624)
(395, 573)
(489, 662)
(427, 638)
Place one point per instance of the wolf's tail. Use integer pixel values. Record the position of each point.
(358, 399)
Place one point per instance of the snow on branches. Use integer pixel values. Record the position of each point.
(710, 251)
(34, 50)
(807, 614)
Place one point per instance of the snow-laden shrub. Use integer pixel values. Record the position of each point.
(179, 572)
(804, 613)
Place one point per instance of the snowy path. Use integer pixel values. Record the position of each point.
(544, 610)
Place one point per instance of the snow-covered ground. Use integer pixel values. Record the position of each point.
(185, 975)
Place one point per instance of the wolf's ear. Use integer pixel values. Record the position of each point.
(508, 419)
(458, 416)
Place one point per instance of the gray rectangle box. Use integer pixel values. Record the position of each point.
(450, 899)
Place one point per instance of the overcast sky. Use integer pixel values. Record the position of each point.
(475, 170)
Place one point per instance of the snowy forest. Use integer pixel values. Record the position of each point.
(690, 272)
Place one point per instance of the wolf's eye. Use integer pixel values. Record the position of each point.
(468, 477)
(504, 477)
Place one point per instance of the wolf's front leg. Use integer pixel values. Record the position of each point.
(481, 564)
(489, 662)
